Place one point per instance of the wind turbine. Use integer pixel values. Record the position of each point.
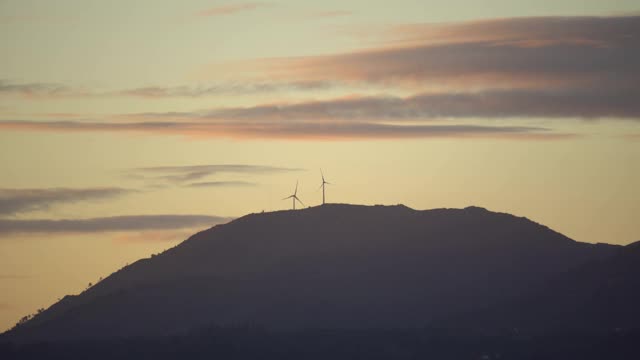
(294, 197)
(323, 184)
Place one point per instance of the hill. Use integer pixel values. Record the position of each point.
(332, 266)
(598, 295)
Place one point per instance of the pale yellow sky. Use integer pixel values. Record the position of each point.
(94, 93)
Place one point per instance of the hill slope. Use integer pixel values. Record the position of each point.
(332, 266)
(599, 295)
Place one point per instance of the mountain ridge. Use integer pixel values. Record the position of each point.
(335, 265)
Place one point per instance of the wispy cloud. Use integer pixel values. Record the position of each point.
(222, 184)
(228, 88)
(108, 224)
(350, 130)
(524, 52)
(533, 68)
(37, 90)
(14, 201)
(554, 103)
(544, 53)
(181, 174)
(230, 9)
(385, 117)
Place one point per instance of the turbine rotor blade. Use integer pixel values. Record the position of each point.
(288, 197)
(300, 201)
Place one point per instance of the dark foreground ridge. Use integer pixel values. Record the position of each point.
(246, 343)
(359, 268)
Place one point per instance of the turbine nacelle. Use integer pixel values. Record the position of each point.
(294, 197)
(324, 182)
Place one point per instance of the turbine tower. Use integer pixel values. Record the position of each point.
(323, 184)
(294, 197)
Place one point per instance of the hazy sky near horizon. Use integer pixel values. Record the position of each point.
(125, 126)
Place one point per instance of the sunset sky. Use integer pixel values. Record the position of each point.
(126, 126)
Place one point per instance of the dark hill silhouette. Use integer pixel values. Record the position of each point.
(331, 266)
(599, 295)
